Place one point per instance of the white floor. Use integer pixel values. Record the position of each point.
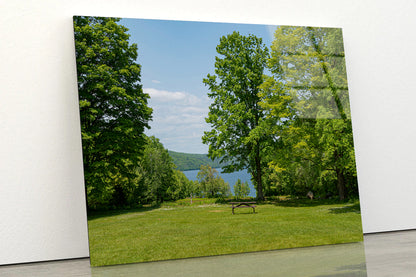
(386, 254)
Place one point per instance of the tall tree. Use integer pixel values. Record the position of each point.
(113, 107)
(235, 112)
(310, 63)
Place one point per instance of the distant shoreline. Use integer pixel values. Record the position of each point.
(188, 161)
(199, 169)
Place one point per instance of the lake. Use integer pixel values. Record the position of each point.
(230, 178)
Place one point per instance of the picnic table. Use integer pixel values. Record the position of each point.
(236, 205)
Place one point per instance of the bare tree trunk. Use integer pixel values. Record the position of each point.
(342, 191)
(259, 184)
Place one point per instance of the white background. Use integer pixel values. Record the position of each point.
(42, 202)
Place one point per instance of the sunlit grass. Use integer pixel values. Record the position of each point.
(180, 230)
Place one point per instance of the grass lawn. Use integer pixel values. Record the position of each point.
(180, 230)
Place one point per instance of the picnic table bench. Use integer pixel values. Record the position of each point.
(236, 205)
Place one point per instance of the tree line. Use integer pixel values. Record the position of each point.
(291, 130)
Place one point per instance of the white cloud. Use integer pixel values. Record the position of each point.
(156, 81)
(164, 95)
(179, 119)
(181, 98)
(195, 110)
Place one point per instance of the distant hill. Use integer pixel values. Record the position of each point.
(186, 161)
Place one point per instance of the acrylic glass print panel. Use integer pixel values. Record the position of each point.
(205, 139)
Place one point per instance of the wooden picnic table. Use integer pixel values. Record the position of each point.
(236, 205)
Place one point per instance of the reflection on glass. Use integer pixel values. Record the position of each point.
(309, 88)
(310, 62)
(321, 261)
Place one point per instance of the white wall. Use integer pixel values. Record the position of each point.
(42, 202)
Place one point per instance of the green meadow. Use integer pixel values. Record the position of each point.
(180, 229)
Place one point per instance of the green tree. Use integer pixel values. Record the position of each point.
(241, 189)
(235, 113)
(316, 146)
(113, 108)
(184, 187)
(211, 184)
(279, 112)
(195, 189)
(157, 172)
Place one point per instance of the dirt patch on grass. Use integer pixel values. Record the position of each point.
(216, 211)
(207, 205)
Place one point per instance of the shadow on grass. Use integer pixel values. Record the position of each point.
(306, 202)
(348, 208)
(94, 214)
(355, 208)
(237, 213)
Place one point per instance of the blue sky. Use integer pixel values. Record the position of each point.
(175, 56)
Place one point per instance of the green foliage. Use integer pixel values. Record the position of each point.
(187, 161)
(241, 190)
(160, 178)
(160, 182)
(315, 148)
(113, 109)
(211, 184)
(185, 188)
(235, 113)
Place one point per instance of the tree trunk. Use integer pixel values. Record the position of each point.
(259, 184)
(342, 191)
